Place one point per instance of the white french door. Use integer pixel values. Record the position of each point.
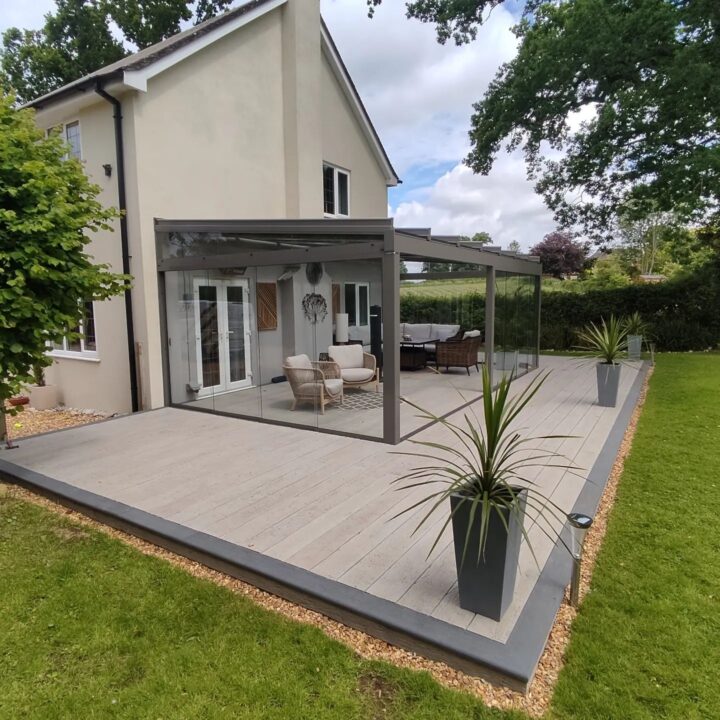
(222, 335)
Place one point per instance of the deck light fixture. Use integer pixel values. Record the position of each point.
(580, 524)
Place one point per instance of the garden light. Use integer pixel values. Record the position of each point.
(580, 524)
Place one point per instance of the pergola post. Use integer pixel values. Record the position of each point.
(490, 322)
(391, 341)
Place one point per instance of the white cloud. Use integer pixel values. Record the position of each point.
(420, 95)
(503, 204)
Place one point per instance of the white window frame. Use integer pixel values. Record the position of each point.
(336, 171)
(64, 126)
(82, 353)
(358, 285)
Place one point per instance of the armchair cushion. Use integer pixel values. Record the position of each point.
(472, 334)
(357, 375)
(332, 388)
(301, 362)
(443, 332)
(347, 356)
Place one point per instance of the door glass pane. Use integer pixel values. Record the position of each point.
(209, 335)
(343, 202)
(364, 304)
(236, 332)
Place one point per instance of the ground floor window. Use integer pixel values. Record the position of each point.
(82, 340)
(357, 304)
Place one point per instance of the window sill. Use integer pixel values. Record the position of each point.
(337, 216)
(69, 355)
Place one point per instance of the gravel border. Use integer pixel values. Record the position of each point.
(539, 695)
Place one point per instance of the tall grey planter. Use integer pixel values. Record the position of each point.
(608, 382)
(634, 346)
(486, 586)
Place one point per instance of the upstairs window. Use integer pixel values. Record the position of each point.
(70, 132)
(336, 191)
(86, 344)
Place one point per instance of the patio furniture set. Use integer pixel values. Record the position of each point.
(324, 381)
(442, 345)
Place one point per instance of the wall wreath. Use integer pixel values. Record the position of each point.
(314, 307)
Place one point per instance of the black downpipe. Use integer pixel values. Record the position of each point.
(120, 160)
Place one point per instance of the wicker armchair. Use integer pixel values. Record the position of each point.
(458, 353)
(317, 382)
(357, 368)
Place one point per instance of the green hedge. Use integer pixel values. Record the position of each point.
(683, 313)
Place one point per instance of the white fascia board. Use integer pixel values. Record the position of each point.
(137, 79)
(340, 73)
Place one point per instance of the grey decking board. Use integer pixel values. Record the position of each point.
(374, 463)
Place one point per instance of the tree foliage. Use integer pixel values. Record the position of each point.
(614, 102)
(77, 39)
(560, 255)
(47, 207)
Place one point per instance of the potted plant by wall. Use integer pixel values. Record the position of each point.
(42, 395)
(485, 479)
(606, 342)
(636, 329)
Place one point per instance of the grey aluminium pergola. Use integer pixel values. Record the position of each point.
(256, 243)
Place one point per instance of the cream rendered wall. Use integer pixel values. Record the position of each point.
(345, 145)
(101, 384)
(208, 141)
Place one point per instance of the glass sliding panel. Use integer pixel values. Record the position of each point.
(236, 311)
(442, 321)
(209, 334)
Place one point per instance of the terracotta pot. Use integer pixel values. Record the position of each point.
(19, 400)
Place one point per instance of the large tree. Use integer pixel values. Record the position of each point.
(614, 102)
(78, 39)
(47, 209)
(560, 255)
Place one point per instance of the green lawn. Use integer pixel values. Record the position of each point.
(90, 628)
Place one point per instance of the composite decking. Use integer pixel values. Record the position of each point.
(325, 504)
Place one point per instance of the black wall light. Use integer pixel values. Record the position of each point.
(107, 167)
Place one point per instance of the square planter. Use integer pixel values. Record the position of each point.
(43, 397)
(634, 346)
(486, 586)
(608, 382)
(506, 360)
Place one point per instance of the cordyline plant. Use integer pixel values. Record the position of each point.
(488, 467)
(635, 325)
(606, 341)
(48, 208)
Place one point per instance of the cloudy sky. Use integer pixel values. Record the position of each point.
(419, 95)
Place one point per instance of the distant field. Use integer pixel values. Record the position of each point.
(445, 288)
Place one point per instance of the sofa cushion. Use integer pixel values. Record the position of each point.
(347, 356)
(472, 334)
(418, 331)
(357, 375)
(299, 361)
(443, 332)
(333, 387)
